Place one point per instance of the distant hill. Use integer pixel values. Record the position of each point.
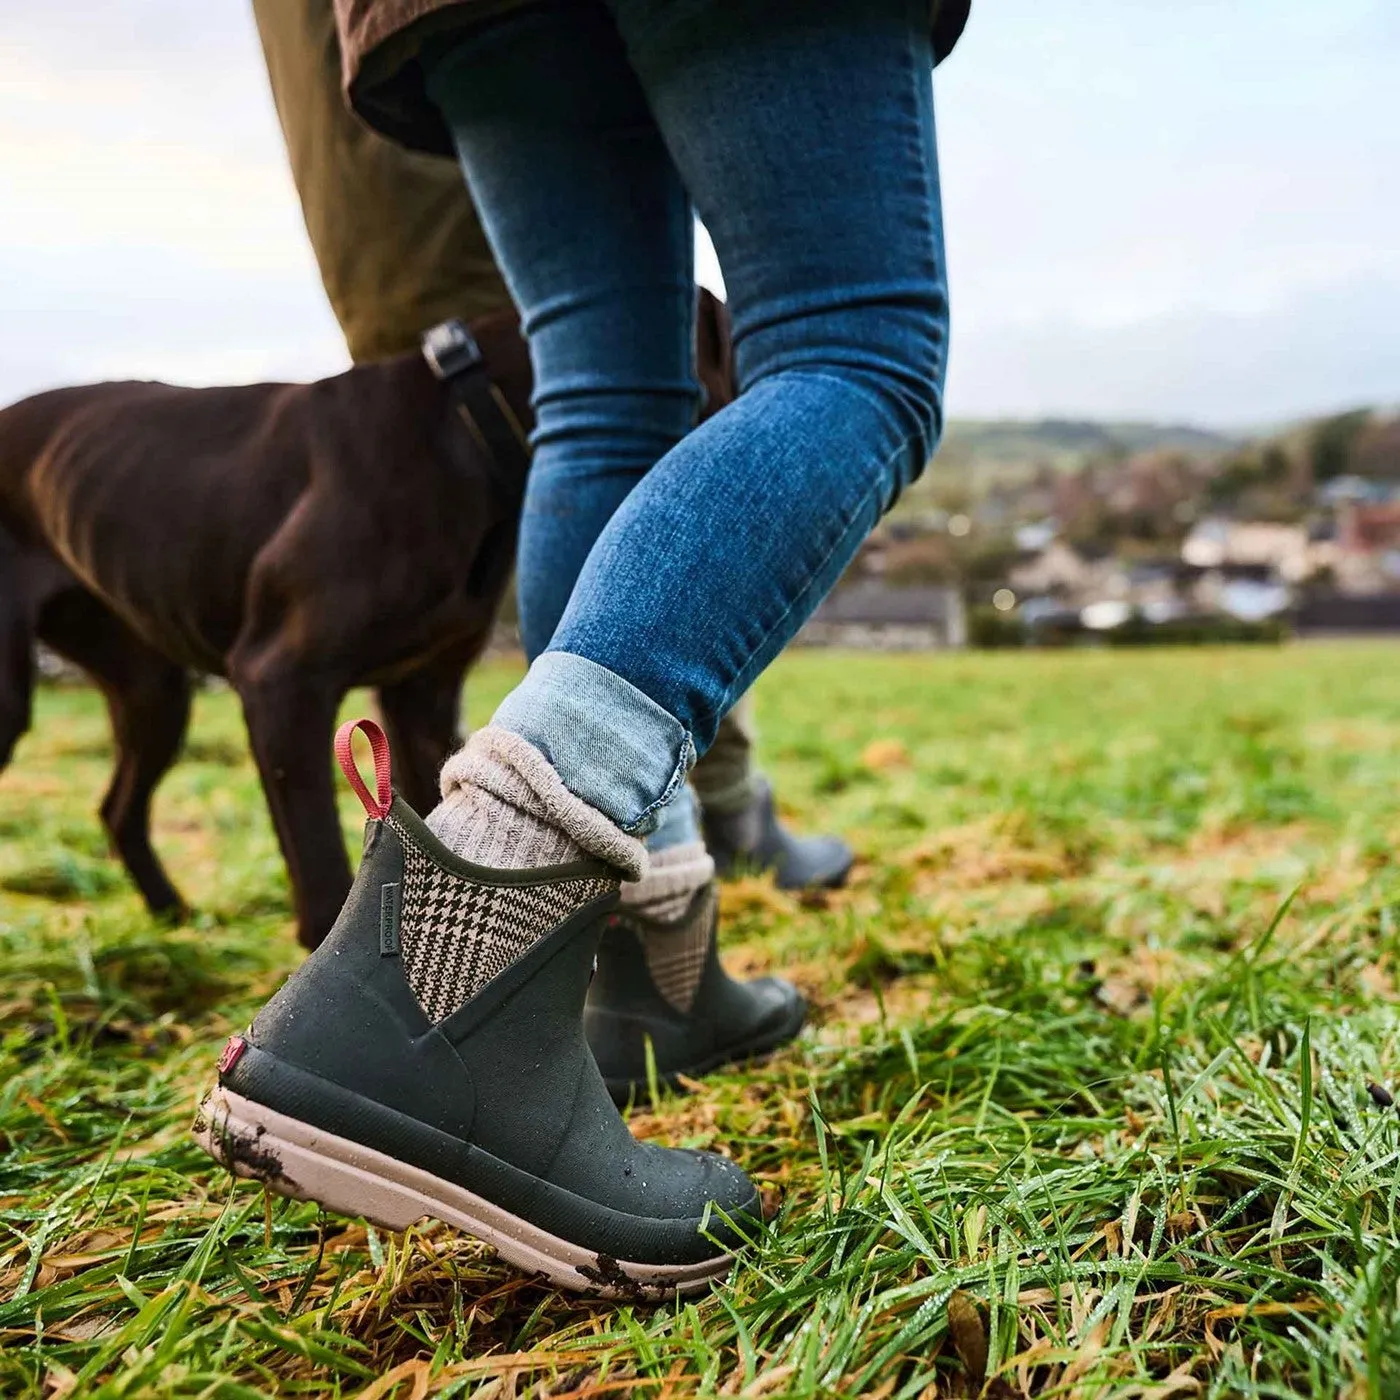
(982, 455)
(1006, 447)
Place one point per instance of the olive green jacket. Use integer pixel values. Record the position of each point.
(394, 231)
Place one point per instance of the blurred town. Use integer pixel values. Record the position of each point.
(1062, 532)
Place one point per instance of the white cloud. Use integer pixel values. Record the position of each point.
(1323, 349)
(151, 228)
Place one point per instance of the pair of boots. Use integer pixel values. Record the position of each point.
(444, 1055)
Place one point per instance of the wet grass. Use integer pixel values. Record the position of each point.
(1094, 1101)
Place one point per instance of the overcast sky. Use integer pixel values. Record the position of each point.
(1174, 209)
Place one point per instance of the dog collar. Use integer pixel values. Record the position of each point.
(455, 357)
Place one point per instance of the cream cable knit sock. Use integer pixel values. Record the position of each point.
(505, 807)
(674, 928)
(672, 878)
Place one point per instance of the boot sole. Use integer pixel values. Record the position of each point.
(307, 1163)
(634, 1091)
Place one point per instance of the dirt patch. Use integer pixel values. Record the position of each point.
(243, 1153)
(995, 850)
(607, 1273)
(1352, 735)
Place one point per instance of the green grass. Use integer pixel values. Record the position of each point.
(1084, 1102)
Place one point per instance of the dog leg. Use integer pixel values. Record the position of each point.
(16, 682)
(16, 695)
(148, 701)
(421, 714)
(16, 650)
(290, 712)
(149, 723)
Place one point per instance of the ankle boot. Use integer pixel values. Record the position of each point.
(662, 982)
(413, 1068)
(754, 839)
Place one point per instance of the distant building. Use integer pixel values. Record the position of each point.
(1342, 490)
(1253, 600)
(1154, 586)
(1035, 537)
(872, 614)
(1366, 553)
(1216, 542)
(1062, 571)
(1368, 527)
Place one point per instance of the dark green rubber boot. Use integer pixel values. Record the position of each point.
(645, 991)
(753, 839)
(371, 1084)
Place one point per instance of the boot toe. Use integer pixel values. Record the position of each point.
(752, 1019)
(738, 1209)
(682, 1183)
(778, 1006)
(813, 862)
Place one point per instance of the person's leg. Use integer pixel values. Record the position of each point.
(598, 233)
(430, 1056)
(740, 825)
(610, 326)
(609, 318)
(806, 139)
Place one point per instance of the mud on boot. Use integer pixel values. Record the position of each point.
(429, 1061)
(662, 983)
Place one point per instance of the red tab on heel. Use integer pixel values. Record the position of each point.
(377, 806)
(231, 1054)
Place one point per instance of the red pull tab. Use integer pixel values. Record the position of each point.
(378, 806)
(231, 1053)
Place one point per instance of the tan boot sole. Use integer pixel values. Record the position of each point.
(309, 1164)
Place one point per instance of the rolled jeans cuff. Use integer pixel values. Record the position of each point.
(613, 746)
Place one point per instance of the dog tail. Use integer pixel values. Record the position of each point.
(16, 648)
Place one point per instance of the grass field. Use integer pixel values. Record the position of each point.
(1083, 1110)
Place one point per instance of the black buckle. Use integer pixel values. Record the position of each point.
(451, 349)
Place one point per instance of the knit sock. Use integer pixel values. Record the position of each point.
(725, 779)
(504, 806)
(673, 915)
(677, 862)
(673, 876)
(674, 928)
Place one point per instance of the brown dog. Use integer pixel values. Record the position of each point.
(299, 539)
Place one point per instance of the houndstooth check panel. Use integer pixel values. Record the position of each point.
(676, 952)
(456, 935)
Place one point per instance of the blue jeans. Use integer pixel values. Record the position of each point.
(663, 566)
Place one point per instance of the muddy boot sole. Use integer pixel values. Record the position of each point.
(306, 1163)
